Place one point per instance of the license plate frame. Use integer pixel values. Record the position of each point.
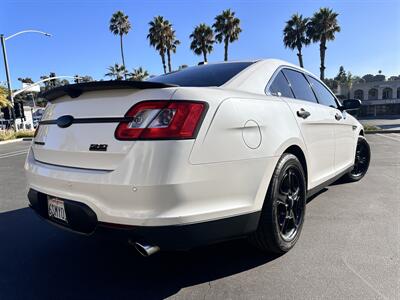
(56, 209)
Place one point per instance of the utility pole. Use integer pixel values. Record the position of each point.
(3, 45)
(10, 95)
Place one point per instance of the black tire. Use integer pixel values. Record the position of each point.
(270, 235)
(361, 161)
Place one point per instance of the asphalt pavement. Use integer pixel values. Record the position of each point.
(349, 249)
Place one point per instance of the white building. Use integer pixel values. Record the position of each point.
(26, 124)
(378, 98)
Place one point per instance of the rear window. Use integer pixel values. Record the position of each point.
(204, 75)
(280, 86)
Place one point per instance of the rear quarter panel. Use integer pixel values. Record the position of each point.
(246, 128)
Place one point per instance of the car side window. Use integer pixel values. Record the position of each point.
(324, 96)
(280, 86)
(300, 86)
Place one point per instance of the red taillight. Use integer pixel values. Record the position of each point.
(162, 120)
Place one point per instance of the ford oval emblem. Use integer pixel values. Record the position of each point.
(65, 121)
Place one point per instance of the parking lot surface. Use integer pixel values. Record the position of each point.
(349, 248)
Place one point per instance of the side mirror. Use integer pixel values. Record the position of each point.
(351, 104)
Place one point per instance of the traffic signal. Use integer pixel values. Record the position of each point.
(7, 113)
(22, 111)
(17, 109)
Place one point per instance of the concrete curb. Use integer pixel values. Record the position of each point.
(383, 131)
(11, 141)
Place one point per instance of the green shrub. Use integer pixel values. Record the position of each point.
(6, 135)
(371, 128)
(25, 134)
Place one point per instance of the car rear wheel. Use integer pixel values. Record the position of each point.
(284, 207)
(361, 161)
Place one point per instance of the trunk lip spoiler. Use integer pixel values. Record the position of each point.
(77, 89)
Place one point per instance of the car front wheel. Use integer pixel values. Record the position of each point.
(283, 211)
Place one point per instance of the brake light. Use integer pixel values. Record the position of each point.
(162, 120)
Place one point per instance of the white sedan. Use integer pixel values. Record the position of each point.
(205, 154)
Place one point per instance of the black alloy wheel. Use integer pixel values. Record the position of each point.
(283, 212)
(289, 208)
(361, 161)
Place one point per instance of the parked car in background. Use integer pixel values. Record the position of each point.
(197, 156)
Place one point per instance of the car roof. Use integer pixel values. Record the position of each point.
(255, 77)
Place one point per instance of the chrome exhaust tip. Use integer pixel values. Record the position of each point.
(146, 250)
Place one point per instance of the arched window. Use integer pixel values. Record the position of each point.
(359, 94)
(387, 93)
(372, 94)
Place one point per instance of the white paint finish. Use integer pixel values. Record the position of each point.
(318, 132)
(70, 146)
(345, 140)
(168, 189)
(223, 140)
(224, 172)
(251, 134)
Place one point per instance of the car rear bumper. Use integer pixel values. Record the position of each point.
(82, 219)
(168, 192)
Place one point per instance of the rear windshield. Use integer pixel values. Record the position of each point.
(203, 75)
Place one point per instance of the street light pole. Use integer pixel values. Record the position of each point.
(3, 45)
(10, 95)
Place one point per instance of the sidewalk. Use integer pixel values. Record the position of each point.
(384, 123)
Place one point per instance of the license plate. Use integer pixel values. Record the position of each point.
(56, 208)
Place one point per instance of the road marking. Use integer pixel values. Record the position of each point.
(388, 137)
(11, 154)
(14, 152)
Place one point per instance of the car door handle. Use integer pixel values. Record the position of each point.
(302, 113)
(338, 116)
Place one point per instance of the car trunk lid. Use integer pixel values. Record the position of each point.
(78, 125)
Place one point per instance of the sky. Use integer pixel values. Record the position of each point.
(81, 42)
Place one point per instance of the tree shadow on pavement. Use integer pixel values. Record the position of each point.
(40, 261)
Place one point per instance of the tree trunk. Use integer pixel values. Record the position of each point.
(203, 48)
(226, 49)
(169, 60)
(322, 48)
(204, 55)
(122, 51)
(300, 55)
(162, 54)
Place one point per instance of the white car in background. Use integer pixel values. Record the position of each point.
(197, 156)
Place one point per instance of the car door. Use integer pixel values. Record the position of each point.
(344, 130)
(314, 122)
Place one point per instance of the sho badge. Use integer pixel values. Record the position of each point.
(98, 147)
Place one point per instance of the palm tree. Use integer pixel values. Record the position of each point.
(349, 80)
(117, 71)
(322, 28)
(202, 40)
(156, 36)
(170, 43)
(26, 80)
(120, 25)
(138, 74)
(3, 97)
(294, 35)
(227, 29)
